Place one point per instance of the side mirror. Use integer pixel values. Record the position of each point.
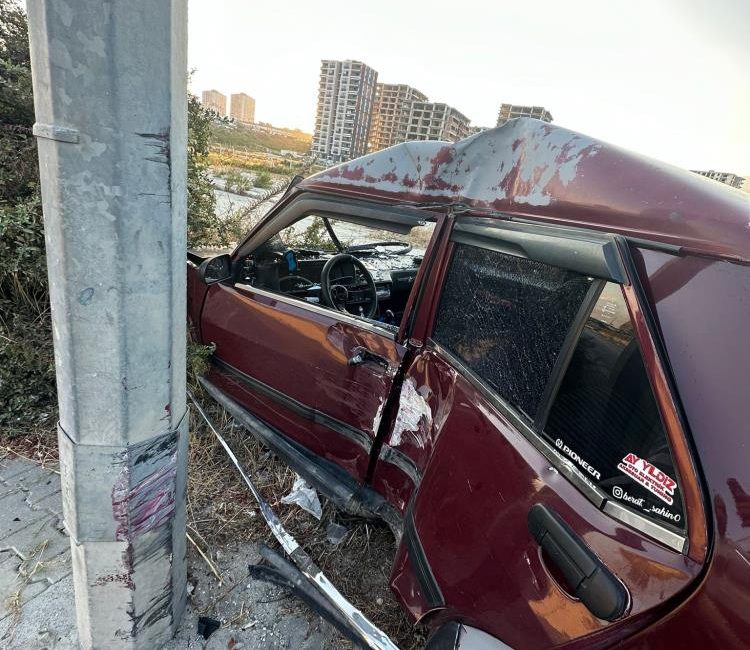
(215, 269)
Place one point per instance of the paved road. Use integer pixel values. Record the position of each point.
(37, 610)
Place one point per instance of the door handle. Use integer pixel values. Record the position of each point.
(363, 355)
(586, 575)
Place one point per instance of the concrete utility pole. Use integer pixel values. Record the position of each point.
(110, 99)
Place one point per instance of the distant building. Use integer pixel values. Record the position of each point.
(214, 100)
(436, 121)
(511, 111)
(390, 114)
(723, 177)
(346, 94)
(243, 108)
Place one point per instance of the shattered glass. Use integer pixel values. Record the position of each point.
(506, 318)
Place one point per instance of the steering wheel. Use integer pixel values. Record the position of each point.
(344, 293)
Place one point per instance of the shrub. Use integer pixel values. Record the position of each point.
(263, 180)
(237, 182)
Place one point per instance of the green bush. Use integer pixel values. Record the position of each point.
(237, 182)
(263, 180)
(27, 388)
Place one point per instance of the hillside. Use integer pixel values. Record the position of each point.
(260, 138)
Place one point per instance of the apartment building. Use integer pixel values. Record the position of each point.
(511, 111)
(215, 101)
(390, 115)
(242, 108)
(346, 94)
(733, 180)
(436, 121)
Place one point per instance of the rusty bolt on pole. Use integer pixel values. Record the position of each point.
(110, 98)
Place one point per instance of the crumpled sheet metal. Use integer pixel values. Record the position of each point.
(518, 162)
(533, 169)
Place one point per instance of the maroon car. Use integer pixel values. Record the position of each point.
(528, 353)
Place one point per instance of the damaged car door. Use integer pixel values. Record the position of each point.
(553, 498)
(305, 331)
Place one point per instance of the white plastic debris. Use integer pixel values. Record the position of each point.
(336, 533)
(305, 497)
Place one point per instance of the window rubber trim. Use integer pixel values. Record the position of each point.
(566, 354)
(422, 570)
(370, 214)
(588, 253)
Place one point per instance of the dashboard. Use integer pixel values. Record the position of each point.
(298, 275)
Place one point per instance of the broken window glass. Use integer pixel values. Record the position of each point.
(506, 318)
(605, 419)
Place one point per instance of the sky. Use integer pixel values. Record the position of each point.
(667, 78)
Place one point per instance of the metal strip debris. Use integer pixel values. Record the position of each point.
(369, 634)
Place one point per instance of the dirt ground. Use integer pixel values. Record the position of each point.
(225, 528)
(221, 511)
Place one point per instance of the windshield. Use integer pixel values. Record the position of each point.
(311, 233)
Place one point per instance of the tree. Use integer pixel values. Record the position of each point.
(27, 376)
(18, 163)
(201, 199)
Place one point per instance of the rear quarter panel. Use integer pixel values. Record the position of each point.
(702, 307)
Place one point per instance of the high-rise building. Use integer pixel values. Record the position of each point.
(511, 111)
(436, 121)
(733, 180)
(345, 99)
(243, 108)
(390, 114)
(214, 100)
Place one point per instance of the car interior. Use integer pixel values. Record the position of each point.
(365, 272)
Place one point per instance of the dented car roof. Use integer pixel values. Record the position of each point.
(529, 168)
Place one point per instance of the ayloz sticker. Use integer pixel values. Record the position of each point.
(649, 476)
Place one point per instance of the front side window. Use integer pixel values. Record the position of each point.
(371, 270)
(605, 419)
(506, 318)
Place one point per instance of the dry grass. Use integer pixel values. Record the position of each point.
(39, 446)
(222, 510)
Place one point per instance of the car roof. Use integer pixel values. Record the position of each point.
(532, 169)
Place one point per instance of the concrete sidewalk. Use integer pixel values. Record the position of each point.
(37, 609)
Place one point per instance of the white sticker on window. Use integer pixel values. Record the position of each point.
(575, 457)
(649, 476)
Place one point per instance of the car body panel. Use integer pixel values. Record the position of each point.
(301, 354)
(703, 308)
(528, 168)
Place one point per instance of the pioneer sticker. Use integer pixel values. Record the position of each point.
(649, 476)
(575, 457)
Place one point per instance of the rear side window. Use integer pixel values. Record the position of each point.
(506, 318)
(605, 419)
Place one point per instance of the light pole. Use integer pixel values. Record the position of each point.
(110, 98)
